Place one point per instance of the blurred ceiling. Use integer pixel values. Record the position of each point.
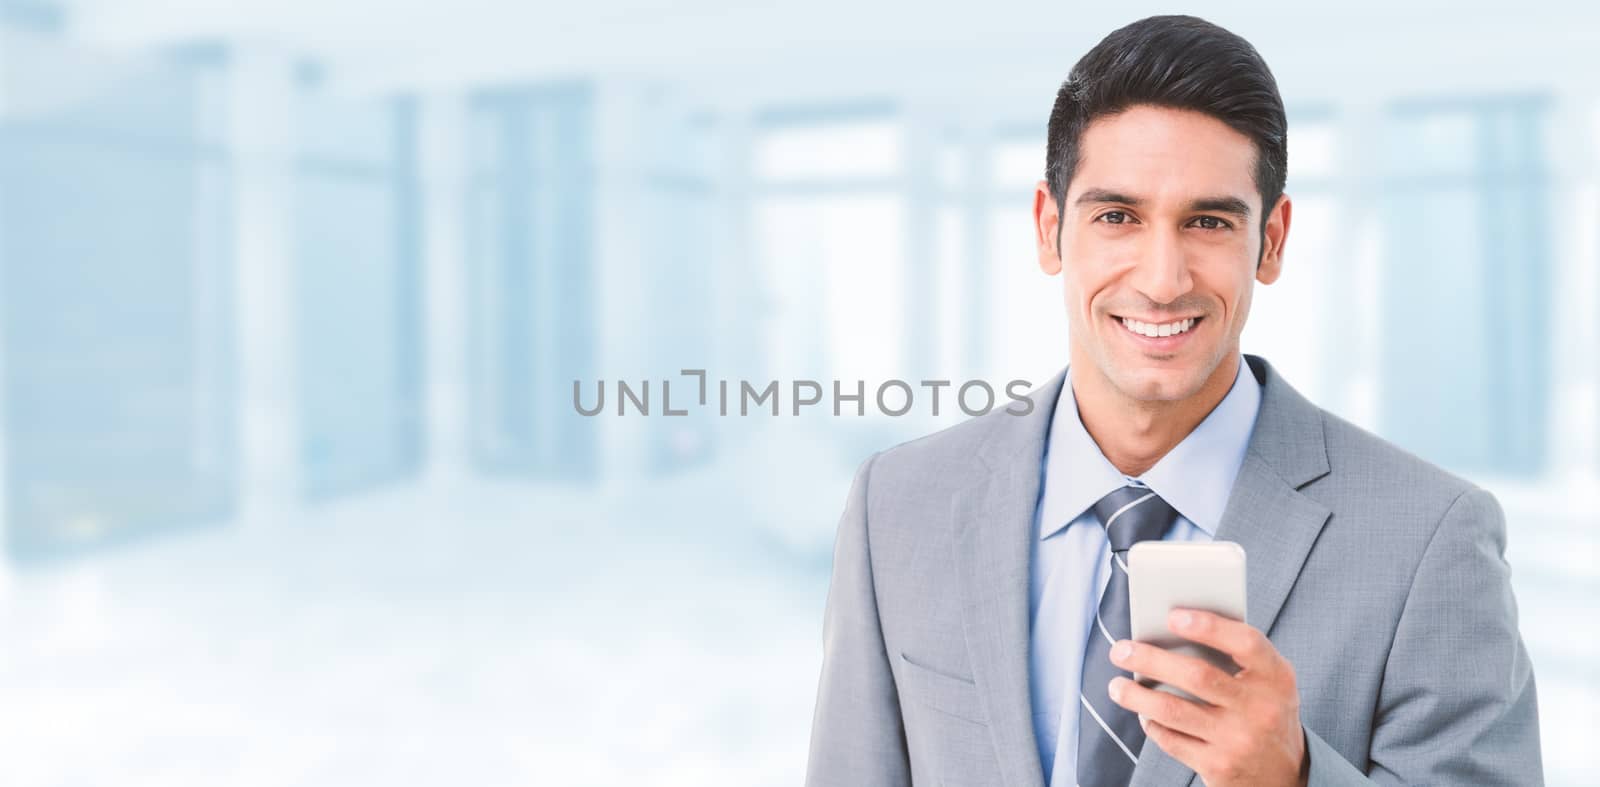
(736, 49)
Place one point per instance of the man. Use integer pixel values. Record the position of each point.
(976, 622)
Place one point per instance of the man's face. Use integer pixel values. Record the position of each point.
(1160, 225)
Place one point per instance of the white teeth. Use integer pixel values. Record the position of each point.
(1154, 331)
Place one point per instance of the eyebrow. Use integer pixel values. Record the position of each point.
(1103, 196)
(1230, 205)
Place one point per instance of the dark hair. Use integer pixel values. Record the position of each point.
(1181, 62)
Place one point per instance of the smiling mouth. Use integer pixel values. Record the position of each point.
(1164, 333)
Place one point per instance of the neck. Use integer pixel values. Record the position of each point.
(1134, 434)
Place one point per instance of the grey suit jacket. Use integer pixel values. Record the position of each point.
(1380, 577)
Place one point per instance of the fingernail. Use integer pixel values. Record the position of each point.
(1183, 620)
(1115, 688)
(1121, 650)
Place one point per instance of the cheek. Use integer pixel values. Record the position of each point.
(1228, 287)
(1095, 248)
(1085, 275)
(1241, 303)
(1080, 292)
(1097, 264)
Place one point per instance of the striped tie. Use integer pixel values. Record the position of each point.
(1109, 737)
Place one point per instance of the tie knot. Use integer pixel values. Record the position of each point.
(1133, 514)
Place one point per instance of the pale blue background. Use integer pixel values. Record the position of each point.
(292, 295)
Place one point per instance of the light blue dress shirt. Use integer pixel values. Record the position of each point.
(1071, 559)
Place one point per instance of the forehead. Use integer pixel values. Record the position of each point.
(1160, 154)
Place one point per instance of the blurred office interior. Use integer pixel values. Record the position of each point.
(293, 297)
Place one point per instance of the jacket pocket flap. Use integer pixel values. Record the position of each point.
(943, 692)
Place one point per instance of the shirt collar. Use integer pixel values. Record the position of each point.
(1195, 477)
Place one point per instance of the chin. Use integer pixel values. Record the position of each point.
(1159, 385)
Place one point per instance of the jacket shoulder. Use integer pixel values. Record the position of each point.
(937, 461)
(1366, 466)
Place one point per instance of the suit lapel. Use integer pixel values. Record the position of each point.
(1277, 526)
(993, 530)
(1268, 516)
(1266, 512)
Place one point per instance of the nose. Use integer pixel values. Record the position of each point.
(1162, 272)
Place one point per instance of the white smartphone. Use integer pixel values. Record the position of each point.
(1165, 575)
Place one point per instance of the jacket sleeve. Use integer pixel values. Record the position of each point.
(857, 736)
(1458, 704)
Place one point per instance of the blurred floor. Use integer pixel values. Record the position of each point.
(477, 634)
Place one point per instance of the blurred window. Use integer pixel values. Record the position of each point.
(356, 223)
(533, 311)
(1466, 284)
(116, 280)
(829, 225)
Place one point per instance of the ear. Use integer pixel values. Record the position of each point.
(1273, 240)
(1047, 228)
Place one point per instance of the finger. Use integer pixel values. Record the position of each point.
(1186, 749)
(1171, 710)
(1193, 675)
(1249, 648)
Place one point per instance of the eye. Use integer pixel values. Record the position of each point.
(1211, 223)
(1114, 217)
